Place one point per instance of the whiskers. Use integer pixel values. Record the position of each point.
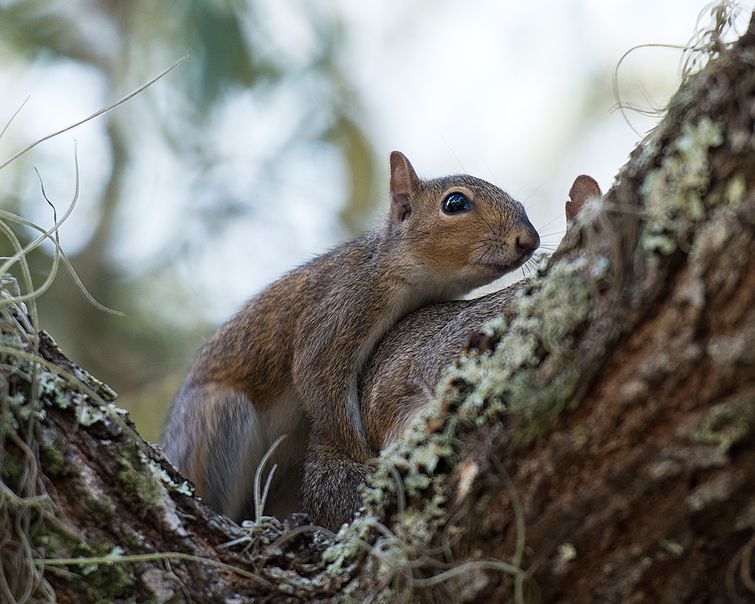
(549, 223)
(487, 242)
(549, 242)
(490, 245)
(529, 267)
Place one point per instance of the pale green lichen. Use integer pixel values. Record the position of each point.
(100, 505)
(161, 474)
(88, 415)
(104, 582)
(156, 469)
(19, 407)
(674, 193)
(544, 319)
(55, 389)
(723, 426)
(494, 326)
(12, 340)
(736, 190)
(347, 544)
(101, 388)
(58, 392)
(53, 462)
(17, 399)
(185, 488)
(49, 383)
(580, 435)
(558, 319)
(713, 236)
(141, 487)
(674, 548)
(113, 408)
(711, 239)
(567, 552)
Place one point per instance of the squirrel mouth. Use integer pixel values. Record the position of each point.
(501, 268)
(497, 267)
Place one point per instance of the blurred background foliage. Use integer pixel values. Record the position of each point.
(268, 144)
(144, 353)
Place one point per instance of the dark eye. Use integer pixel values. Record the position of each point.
(455, 203)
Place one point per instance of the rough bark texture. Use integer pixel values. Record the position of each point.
(604, 451)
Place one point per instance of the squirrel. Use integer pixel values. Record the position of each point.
(392, 391)
(290, 360)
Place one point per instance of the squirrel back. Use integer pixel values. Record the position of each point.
(393, 391)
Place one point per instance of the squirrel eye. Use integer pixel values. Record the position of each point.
(455, 203)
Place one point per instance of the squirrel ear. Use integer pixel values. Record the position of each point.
(404, 182)
(583, 188)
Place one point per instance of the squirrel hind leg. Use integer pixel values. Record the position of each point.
(330, 486)
(215, 437)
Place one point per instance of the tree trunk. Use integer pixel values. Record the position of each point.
(604, 451)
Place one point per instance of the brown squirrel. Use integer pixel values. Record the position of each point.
(291, 358)
(392, 391)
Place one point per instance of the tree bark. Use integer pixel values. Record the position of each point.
(603, 451)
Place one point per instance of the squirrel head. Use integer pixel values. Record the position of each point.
(466, 231)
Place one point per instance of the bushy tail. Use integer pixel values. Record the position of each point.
(215, 437)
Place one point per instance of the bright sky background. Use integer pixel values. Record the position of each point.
(518, 93)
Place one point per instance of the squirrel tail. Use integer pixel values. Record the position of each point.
(216, 438)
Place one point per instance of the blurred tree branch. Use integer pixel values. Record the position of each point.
(232, 49)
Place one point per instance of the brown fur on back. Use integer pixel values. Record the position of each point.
(402, 374)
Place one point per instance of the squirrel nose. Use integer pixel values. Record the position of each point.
(528, 240)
